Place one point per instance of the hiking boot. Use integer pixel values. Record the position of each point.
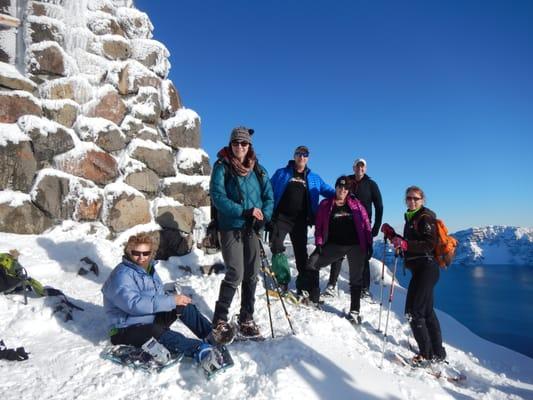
(249, 329)
(305, 301)
(419, 361)
(222, 333)
(283, 289)
(329, 291)
(354, 317)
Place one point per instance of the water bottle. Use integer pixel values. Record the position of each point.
(159, 352)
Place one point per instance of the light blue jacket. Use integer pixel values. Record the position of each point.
(231, 200)
(132, 295)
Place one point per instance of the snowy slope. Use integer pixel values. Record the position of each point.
(326, 359)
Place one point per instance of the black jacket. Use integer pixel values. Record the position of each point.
(367, 192)
(421, 237)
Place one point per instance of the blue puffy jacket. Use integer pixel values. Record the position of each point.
(133, 296)
(315, 186)
(227, 198)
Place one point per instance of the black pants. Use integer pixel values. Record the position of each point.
(332, 252)
(240, 250)
(175, 342)
(419, 306)
(336, 270)
(297, 230)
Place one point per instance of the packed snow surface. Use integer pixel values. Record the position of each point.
(327, 358)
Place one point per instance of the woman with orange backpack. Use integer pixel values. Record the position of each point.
(417, 245)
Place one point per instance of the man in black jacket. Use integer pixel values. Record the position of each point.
(367, 192)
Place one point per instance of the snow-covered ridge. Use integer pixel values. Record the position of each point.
(495, 245)
(489, 245)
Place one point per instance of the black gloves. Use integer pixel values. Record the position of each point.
(369, 252)
(375, 230)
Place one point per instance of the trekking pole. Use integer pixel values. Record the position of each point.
(268, 299)
(391, 295)
(382, 283)
(266, 267)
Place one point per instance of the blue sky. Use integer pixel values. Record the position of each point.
(433, 93)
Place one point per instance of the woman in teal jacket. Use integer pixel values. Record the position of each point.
(242, 196)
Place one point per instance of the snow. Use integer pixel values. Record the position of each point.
(147, 144)
(70, 65)
(188, 179)
(58, 104)
(77, 152)
(83, 90)
(113, 190)
(135, 22)
(90, 127)
(9, 71)
(142, 48)
(42, 125)
(13, 198)
(12, 133)
(184, 116)
(326, 358)
(187, 157)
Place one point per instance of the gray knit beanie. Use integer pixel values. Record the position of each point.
(242, 134)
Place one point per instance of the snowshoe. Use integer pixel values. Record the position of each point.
(354, 318)
(248, 330)
(136, 358)
(329, 291)
(211, 360)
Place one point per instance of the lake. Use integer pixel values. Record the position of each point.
(493, 301)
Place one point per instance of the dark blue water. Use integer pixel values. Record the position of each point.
(495, 302)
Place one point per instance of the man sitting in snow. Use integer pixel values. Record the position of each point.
(138, 309)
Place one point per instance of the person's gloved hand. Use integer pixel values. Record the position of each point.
(388, 231)
(375, 230)
(248, 214)
(258, 224)
(399, 243)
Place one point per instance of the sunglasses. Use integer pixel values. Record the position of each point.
(301, 154)
(237, 143)
(413, 198)
(136, 253)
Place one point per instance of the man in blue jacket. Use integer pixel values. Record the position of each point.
(297, 191)
(138, 309)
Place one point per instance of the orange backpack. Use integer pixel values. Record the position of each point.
(444, 251)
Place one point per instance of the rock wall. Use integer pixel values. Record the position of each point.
(93, 129)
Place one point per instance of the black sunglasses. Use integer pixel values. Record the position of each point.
(301, 154)
(237, 143)
(413, 198)
(136, 253)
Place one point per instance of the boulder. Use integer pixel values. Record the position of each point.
(42, 29)
(188, 194)
(110, 107)
(134, 23)
(23, 218)
(52, 195)
(183, 130)
(115, 47)
(49, 139)
(48, 59)
(101, 23)
(94, 165)
(17, 103)
(155, 156)
(145, 181)
(88, 209)
(18, 166)
(134, 75)
(179, 218)
(170, 99)
(102, 132)
(152, 54)
(148, 133)
(11, 78)
(195, 168)
(63, 112)
(74, 88)
(40, 9)
(125, 210)
(173, 244)
(146, 105)
(130, 127)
